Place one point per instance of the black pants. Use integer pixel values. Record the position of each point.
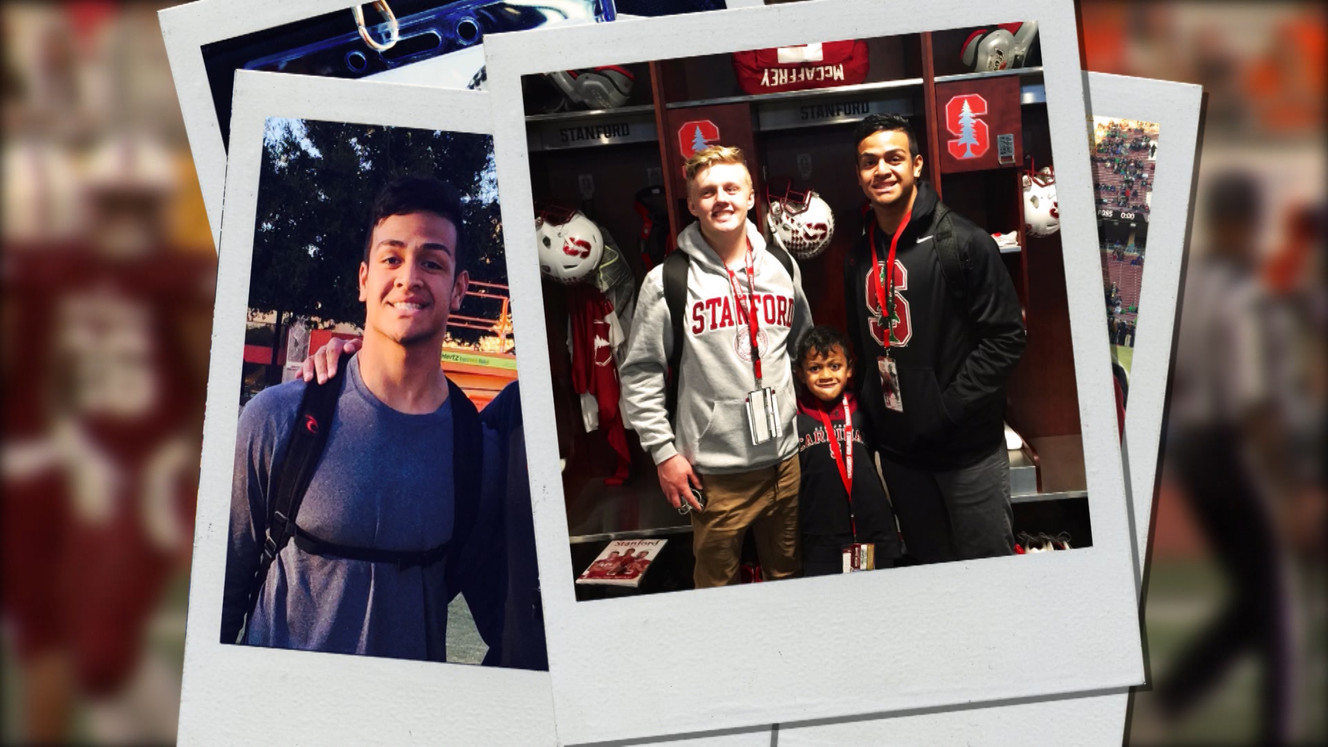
(1239, 526)
(956, 514)
(823, 556)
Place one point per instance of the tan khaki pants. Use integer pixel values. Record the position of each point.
(765, 500)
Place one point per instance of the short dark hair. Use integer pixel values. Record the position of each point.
(821, 339)
(874, 123)
(1233, 195)
(417, 194)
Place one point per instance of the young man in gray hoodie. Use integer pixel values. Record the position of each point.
(737, 293)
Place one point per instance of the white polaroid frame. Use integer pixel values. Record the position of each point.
(188, 28)
(1177, 110)
(232, 694)
(1101, 718)
(913, 638)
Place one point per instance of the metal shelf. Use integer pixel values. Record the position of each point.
(789, 110)
(1040, 497)
(581, 539)
(860, 88)
(644, 109)
(1020, 71)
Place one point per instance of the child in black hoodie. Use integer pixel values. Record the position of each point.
(842, 501)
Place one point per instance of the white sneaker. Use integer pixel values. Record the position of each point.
(1007, 240)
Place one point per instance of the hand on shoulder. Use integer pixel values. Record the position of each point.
(323, 363)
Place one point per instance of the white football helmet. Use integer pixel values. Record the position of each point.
(1041, 214)
(800, 222)
(569, 245)
(1004, 47)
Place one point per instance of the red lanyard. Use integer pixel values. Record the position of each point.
(881, 297)
(843, 459)
(753, 325)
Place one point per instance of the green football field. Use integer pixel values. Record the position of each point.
(1182, 596)
(1123, 355)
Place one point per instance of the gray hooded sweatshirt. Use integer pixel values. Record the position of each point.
(716, 367)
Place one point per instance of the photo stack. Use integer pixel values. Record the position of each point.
(749, 353)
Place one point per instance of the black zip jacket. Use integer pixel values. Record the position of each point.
(952, 362)
(823, 506)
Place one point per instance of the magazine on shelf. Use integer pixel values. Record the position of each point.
(622, 563)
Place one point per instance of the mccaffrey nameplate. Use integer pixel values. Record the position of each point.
(562, 133)
(812, 111)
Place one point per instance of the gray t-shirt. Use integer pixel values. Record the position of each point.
(1221, 366)
(384, 482)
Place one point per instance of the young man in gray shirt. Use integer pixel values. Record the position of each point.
(384, 488)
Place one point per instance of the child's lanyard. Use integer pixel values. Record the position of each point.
(843, 460)
(881, 297)
(753, 326)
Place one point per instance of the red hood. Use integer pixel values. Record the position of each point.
(810, 405)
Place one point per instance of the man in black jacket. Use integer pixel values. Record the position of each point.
(933, 378)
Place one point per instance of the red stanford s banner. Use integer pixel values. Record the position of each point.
(695, 135)
(979, 123)
(688, 129)
(963, 118)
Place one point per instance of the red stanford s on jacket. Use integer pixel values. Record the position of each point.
(952, 362)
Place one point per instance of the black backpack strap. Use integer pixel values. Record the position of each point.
(782, 255)
(299, 459)
(466, 458)
(401, 558)
(675, 297)
(955, 263)
(787, 260)
(465, 484)
(466, 463)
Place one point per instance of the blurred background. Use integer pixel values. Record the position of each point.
(108, 274)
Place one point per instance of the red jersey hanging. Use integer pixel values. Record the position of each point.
(594, 371)
(800, 67)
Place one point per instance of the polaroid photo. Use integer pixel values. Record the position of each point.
(1126, 111)
(1169, 117)
(406, 585)
(429, 42)
(927, 635)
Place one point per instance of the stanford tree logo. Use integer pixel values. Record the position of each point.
(962, 120)
(901, 321)
(696, 135)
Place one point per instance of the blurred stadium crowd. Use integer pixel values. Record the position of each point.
(1123, 165)
(108, 273)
